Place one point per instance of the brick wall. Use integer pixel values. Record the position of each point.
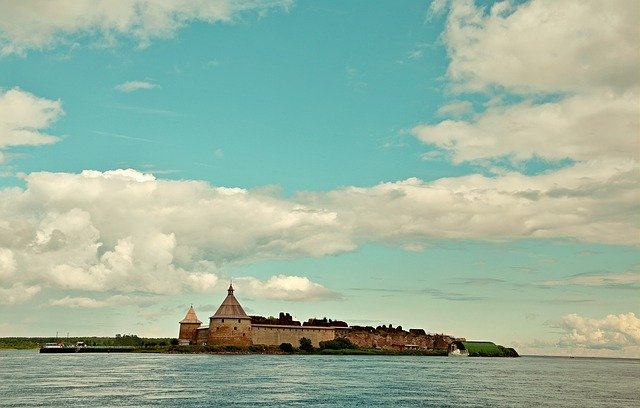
(276, 335)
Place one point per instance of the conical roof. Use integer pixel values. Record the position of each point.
(191, 317)
(230, 308)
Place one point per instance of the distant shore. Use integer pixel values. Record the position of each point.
(169, 346)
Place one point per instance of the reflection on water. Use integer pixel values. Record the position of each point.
(30, 379)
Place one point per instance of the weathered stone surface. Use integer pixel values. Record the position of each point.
(229, 332)
(277, 334)
(188, 331)
(389, 340)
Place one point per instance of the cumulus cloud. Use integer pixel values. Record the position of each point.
(583, 56)
(282, 287)
(616, 336)
(8, 265)
(17, 293)
(589, 202)
(544, 45)
(131, 86)
(23, 118)
(611, 332)
(127, 231)
(573, 67)
(583, 127)
(124, 230)
(38, 24)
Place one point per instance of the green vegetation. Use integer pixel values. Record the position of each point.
(286, 348)
(131, 340)
(339, 343)
(488, 349)
(306, 345)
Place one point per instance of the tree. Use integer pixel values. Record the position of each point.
(339, 343)
(286, 348)
(305, 344)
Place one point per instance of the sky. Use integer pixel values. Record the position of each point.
(470, 168)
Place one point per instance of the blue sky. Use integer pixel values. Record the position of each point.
(468, 168)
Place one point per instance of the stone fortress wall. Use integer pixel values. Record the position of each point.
(276, 335)
(230, 325)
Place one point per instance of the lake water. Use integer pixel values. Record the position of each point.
(30, 379)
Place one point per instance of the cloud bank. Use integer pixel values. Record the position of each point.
(38, 24)
(127, 231)
(612, 332)
(614, 336)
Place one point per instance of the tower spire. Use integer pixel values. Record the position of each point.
(230, 290)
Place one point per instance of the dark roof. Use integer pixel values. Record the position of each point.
(230, 308)
(191, 317)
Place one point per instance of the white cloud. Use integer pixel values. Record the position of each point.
(17, 293)
(74, 231)
(414, 54)
(583, 54)
(582, 57)
(456, 109)
(282, 287)
(131, 86)
(589, 202)
(23, 117)
(584, 127)
(126, 231)
(614, 336)
(91, 303)
(38, 24)
(544, 45)
(8, 265)
(611, 332)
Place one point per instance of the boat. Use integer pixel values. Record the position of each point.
(81, 347)
(58, 347)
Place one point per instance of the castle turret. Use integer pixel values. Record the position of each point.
(189, 327)
(230, 325)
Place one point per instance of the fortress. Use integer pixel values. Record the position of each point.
(230, 325)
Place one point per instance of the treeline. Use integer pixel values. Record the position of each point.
(132, 340)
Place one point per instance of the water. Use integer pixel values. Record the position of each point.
(29, 379)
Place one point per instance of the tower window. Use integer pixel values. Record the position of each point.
(235, 328)
(238, 320)
(222, 320)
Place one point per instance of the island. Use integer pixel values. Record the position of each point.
(230, 326)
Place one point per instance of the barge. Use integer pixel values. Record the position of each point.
(80, 347)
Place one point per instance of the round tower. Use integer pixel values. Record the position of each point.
(189, 327)
(230, 325)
